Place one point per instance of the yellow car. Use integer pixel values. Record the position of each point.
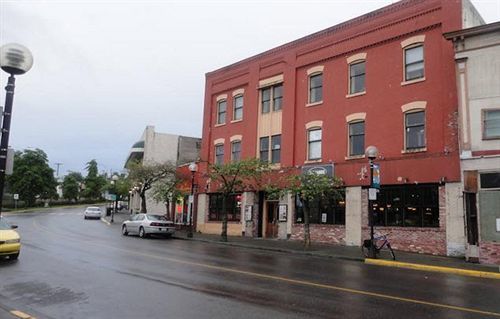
(10, 242)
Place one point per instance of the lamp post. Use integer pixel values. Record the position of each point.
(371, 152)
(114, 179)
(14, 59)
(193, 167)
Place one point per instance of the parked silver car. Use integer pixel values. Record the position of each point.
(92, 212)
(148, 224)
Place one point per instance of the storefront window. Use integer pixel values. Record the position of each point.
(407, 206)
(233, 207)
(326, 211)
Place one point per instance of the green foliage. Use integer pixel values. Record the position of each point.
(166, 191)
(94, 183)
(119, 187)
(71, 186)
(145, 176)
(32, 177)
(236, 176)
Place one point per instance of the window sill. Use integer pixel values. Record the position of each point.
(412, 81)
(416, 150)
(354, 157)
(314, 104)
(313, 161)
(236, 121)
(355, 94)
(219, 125)
(489, 138)
(275, 166)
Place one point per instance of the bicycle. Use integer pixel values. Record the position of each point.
(365, 248)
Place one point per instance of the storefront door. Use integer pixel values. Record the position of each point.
(272, 219)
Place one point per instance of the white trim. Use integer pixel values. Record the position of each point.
(219, 141)
(417, 105)
(238, 92)
(235, 138)
(356, 57)
(355, 117)
(316, 69)
(271, 81)
(221, 97)
(413, 40)
(312, 124)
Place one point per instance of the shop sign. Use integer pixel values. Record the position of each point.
(248, 213)
(318, 169)
(282, 212)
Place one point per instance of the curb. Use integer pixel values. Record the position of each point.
(281, 250)
(449, 270)
(105, 221)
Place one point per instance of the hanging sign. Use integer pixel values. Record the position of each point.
(376, 176)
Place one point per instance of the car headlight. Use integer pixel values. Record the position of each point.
(12, 241)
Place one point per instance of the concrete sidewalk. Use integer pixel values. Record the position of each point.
(414, 261)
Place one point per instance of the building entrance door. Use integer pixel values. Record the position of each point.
(471, 218)
(272, 219)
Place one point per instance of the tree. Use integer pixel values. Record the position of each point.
(312, 187)
(32, 177)
(71, 186)
(146, 175)
(166, 191)
(235, 177)
(94, 183)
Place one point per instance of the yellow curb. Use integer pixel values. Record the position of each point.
(21, 314)
(449, 270)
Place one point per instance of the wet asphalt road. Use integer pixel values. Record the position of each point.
(75, 268)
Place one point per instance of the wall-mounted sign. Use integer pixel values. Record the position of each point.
(372, 193)
(248, 213)
(282, 212)
(318, 169)
(16, 196)
(498, 224)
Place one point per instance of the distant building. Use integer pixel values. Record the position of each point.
(154, 147)
(386, 78)
(477, 56)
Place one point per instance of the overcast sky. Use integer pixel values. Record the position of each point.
(104, 70)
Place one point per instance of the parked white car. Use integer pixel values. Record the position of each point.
(148, 224)
(92, 212)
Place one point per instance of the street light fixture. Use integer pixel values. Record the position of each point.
(114, 179)
(193, 167)
(372, 153)
(15, 59)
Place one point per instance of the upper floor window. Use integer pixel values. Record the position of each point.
(219, 154)
(275, 149)
(415, 130)
(264, 149)
(357, 77)
(236, 151)
(221, 111)
(414, 62)
(272, 98)
(316, 88)
(356, 138)
(314, 144)
(238, 108)
(491, 124)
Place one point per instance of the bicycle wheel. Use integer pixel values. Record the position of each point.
(392, 251)
(365, 251)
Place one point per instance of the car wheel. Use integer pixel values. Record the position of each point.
(14, 256)
(84, 217)
(142, 233)
(124, 230)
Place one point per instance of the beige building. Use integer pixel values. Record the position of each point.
(477, 55)
(154, 147)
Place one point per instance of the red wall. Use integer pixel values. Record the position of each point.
(379, 35)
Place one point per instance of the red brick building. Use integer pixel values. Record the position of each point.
(387, 79)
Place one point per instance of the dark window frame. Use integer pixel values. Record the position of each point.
(264, 150)
(334, 208)
(406, 64)
(352, 136)
(354, 77)
(236, 154)
(314, 88)
(236, 108)
(309, 143)
(484, 113)
(265, 107)
(221, 113)
(275, 149)
(219, 156)
(408, 128)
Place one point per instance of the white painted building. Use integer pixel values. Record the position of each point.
(478, 82)
(154, 147)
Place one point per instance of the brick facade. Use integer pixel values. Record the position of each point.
(489, 253)
(330, 234)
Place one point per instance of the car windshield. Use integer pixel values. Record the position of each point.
(156, 217)
(94, 209)
(4, 225)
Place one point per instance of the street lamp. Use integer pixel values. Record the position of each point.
(15, 59)
(114, 179)
(193, 168)
(371, 152)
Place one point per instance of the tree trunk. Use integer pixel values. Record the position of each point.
(143, 203)
(167, 204)
(307, 233)
(224, 219)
